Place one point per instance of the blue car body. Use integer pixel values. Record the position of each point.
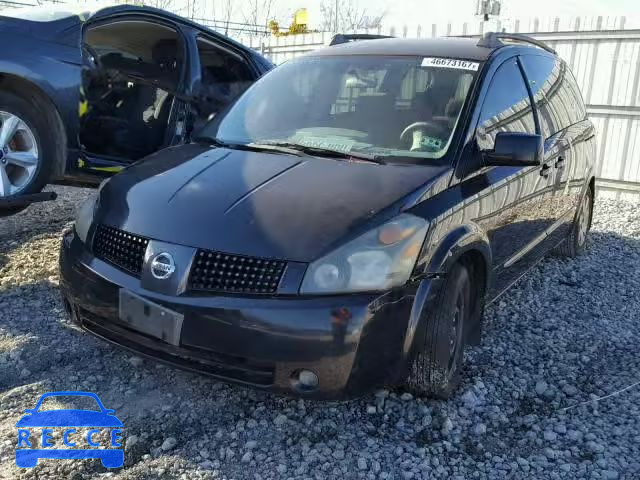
(46, 63)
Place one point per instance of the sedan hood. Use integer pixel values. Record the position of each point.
(261, 204)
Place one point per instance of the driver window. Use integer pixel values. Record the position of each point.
(507, 106)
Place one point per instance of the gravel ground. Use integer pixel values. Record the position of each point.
(565, 336)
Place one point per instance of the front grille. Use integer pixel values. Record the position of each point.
(222, 272)
(229, 367)
(121, 249)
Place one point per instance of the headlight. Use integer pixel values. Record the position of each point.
(84, 217)
(380, 259)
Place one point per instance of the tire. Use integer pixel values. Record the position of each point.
(576, 241)
(436, 369)
(33, 129)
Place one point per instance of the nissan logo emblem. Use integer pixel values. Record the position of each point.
(162, 266)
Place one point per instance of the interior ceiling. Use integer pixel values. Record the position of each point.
(133, 37)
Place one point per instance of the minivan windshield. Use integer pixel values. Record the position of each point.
(388, 107)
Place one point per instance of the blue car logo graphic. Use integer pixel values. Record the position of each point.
(45, 420)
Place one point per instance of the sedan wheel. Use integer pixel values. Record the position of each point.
(19, 158)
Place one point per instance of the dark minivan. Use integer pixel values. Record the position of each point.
(342, 225)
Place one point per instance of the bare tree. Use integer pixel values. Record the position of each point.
(349, 16)
(221, 13)
(258, 13)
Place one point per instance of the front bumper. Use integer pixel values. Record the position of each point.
(351, 342)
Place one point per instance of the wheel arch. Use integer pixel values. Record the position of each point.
(31, 91)
(467, 244)
(441, 251)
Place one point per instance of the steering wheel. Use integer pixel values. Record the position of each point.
(419, 126)
(95, 57)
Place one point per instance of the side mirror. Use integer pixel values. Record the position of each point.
(515, 149)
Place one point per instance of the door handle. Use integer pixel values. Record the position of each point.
(560, 162)
(544, 170)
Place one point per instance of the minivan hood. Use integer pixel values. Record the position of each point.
(254, 203)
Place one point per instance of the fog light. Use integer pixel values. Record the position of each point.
(304, 380)
(308, 379)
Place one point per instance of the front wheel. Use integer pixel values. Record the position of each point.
(27, 146)
(436, 370)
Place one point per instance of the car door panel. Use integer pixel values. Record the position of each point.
(560, 111)
(571, 176)
(509, 210)
(511, 202)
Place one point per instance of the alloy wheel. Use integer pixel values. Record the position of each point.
(19, 158)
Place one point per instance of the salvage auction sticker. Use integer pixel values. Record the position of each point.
(450, 63)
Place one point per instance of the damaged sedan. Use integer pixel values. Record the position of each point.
(83, 94)
(342, 225)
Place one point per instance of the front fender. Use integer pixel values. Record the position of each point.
(439, 254)
(51, 69)
(441, 251)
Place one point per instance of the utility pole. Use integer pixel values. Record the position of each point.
(335, 27)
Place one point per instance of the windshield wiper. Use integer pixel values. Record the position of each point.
(327, 152)
(255, 147)
(294, 149)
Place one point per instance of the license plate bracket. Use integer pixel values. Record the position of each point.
(149, 318)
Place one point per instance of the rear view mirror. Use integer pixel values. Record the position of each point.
(515, 149)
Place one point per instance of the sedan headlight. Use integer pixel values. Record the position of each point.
(84, 217)
(380, 259)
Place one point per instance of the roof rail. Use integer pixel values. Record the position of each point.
(493, 40)
(346, 38)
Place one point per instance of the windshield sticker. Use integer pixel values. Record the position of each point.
(431, 142)
(450, 63)
(334, 143)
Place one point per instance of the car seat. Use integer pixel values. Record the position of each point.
(378, 114)
(147, 107)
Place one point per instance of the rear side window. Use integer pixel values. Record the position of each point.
(507, 106)
(555, 93)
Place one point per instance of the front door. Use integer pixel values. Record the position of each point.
(512, 203)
